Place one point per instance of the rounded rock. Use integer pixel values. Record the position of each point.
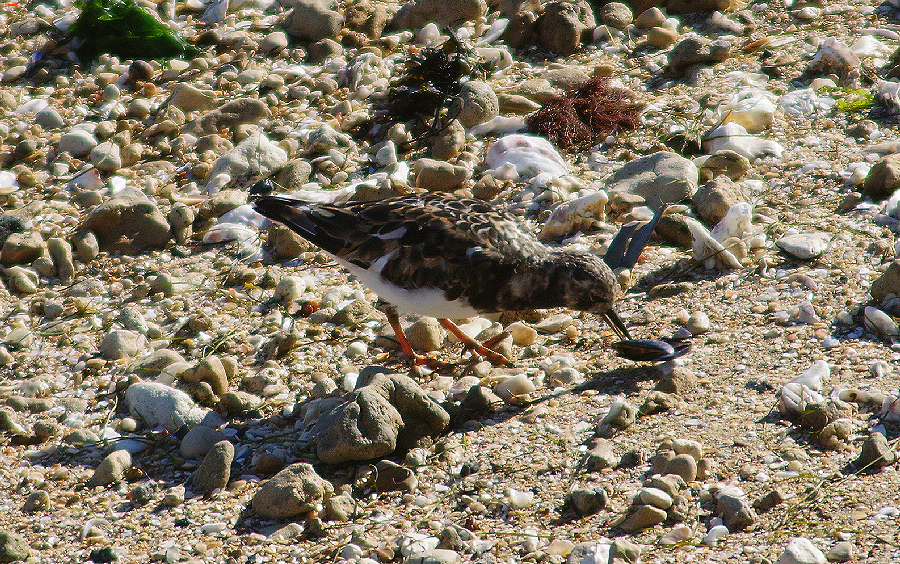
(215, 470)
(477, 103)
(683, 465)
(112, 468)
(801, 551)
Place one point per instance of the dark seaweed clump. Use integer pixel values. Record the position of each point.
(431, 80)
(585, 115)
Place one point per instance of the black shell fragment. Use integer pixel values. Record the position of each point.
(650, 350)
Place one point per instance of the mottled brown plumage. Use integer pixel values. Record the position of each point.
(462, 251)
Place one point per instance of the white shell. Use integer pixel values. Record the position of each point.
(530, 154)
(575, 215)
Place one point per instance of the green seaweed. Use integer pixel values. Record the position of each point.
(851, 99)
(120, 27)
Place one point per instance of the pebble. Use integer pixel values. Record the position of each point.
(714, 534)
(804, 246)
(293, 491)
(644, 517)
(112, 468)
(801, 551)
(215, 470)
(13, 548)
(840, 552)
(198, 441)
(875, 454)
(157, 404)
(682, 465)
(426, 335)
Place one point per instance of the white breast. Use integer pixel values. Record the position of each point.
(422, 301)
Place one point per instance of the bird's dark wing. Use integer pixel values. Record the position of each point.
(430, 227)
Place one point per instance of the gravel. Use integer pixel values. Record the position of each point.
(185, 383)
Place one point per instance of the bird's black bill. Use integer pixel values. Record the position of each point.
(615, 322)
(630, 241)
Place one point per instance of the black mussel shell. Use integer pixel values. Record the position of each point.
(650, 350)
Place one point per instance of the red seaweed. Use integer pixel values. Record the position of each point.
(585, 114)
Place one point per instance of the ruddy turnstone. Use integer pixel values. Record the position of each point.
(448, 257)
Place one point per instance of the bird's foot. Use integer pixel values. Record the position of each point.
(484, 349)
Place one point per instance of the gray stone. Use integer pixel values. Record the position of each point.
(254, 158)
(769, 500)
(644, 517)
(293, 175)
(655, 497)
(339, 508)
(735, 512)
(312, 20)
(220, 203)
(834, 58)
(588, 501)
(295, 490)
(564, 26)
(215, 470)
(883, 178)
(13, 548)
(229, 116)
(476, 103)
(616, 14)
(415, 14)
(887, 283)
(199, 441)
(683, 465)
(426, 335)
(875, 454)
(354, 313)
(159, 405)
(128, 223)
(520, 30)
(840, 552)
(625, 551)
(78, 142)
(274, 42)
(49, 118)
(801, 551)
(61, 254)
(600, 455)
(86, 246)
(651, 17)
(112, 468)
(324, 139)
(385, 412)
(189, 98)
(181, 221)
(696, 50)
(661, 178)
(439, 176)
(449, 142)
(36, 501)
(804, 246)
(672, 484)
(725, 162)
(122, 343)
(106, 156)
(22, 248)
(435, 556)
(712, 200)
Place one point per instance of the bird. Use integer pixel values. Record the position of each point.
(451, 257)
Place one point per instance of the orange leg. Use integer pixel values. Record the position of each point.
(413, 358)
(480, 349)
